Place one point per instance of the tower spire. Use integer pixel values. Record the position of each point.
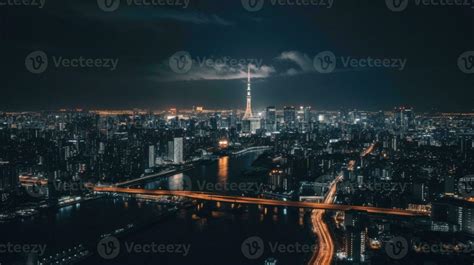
(248, 111)
(248, 74)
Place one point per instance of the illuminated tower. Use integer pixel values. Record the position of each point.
(248, 110)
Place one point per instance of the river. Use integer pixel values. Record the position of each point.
(214, 233)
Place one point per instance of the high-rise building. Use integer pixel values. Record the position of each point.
(289, 116)
(171, 150)
(404, 117)
(307, 114)
(246, 126)
(178, 150)
(420, 192)
(454, 211)
(8, 178)
(466, 141)
(232, 120)
(213, 122)
(270, 119)
(355, 245)
(394, 144)
(151, 156)
(354, 237)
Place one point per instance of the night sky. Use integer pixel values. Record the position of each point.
(284, 39)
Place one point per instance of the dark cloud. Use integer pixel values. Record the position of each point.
(284, 39)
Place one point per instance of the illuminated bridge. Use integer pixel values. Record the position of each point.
(249, 200)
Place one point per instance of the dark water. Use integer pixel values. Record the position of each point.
(213, 232)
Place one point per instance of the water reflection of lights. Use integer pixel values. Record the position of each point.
(223, 169)
(176, 182)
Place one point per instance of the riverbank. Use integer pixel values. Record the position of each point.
(214, 230)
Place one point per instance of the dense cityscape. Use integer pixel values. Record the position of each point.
(237, 132)
(414, 165)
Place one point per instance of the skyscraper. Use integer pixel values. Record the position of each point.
(289, 116)
(151, 156)
(178, 150)
(171, 150)
(307, 114)
(8, 178)
(270, 119)
(404, 117)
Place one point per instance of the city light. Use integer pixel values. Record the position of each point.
(247, 132)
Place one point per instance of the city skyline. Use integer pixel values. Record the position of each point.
(236, 132)
(365, 187)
